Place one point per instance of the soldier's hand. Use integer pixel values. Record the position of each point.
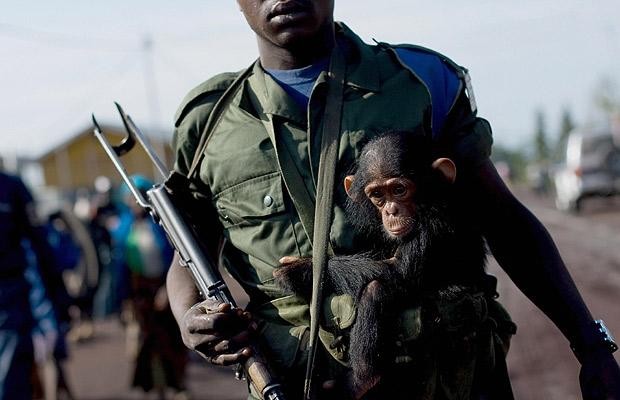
(600, 377)
(218, 332)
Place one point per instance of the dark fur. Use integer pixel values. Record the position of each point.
(440, 255)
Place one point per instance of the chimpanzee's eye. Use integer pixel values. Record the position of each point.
(399, 190)
(377, 201)
(376, 196)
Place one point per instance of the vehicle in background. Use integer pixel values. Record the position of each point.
(591, 168)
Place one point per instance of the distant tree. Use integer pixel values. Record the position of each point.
(516, 161)
(541, 144)
(607, 96)
(566, 126)
(538, 172)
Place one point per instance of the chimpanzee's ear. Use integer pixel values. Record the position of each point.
(348, 181)
(446, 167)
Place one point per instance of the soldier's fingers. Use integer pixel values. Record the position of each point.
(217, 323)
(231, 359)
(204, 343)
(245, 315)
(242, 314)
(212, 306)
(208, 305)
(233, 344)
(223, 347)
(200, 324)
(224, 307)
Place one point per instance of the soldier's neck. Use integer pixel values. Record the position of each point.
(293, 57)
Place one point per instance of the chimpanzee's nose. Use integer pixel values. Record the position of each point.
(391, 208)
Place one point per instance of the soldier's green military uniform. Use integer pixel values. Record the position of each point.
(240, 175)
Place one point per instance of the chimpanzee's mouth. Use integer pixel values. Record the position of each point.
(400, 232)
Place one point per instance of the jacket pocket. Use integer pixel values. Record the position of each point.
(249, 202)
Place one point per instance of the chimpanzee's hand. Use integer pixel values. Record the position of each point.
(342, 389)
(295, 275)
(218, 332)
(335, 390)
(600, 377)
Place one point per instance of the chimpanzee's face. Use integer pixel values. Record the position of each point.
(394, 199)
(285, 23)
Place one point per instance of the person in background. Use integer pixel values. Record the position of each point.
(50, 349)
(100, 233)
(18, 223)
(153, 338)
(67, 255)
(83, 279)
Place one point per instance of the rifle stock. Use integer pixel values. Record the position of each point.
(162, 204)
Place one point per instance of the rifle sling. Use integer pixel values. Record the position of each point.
(324, 203)
(302, 200)
(215, 117)
(315, 217)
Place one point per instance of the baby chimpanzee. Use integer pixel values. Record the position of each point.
(402, 197)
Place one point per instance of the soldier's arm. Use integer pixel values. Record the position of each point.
(182, 292)
(526, 251)
(214, 330)
(217, 332)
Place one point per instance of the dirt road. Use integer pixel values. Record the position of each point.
(540, 362)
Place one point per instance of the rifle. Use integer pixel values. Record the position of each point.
(162, 202)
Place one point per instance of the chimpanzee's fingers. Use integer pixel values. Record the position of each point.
(334, 390)
(329, 385)
(288, 260)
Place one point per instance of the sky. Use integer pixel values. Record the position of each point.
(62, 60)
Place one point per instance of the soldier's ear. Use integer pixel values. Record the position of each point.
(446, 167)
(348, 181)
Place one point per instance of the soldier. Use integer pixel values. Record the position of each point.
(257, 177)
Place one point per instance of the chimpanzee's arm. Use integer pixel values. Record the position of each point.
(344, 274)
(350, 274)
(535, 265)
(295, 276)
(368, 335)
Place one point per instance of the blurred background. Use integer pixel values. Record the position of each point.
(546, 74)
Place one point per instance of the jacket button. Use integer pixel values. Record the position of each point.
(268, 201)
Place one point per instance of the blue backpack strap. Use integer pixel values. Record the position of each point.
(443, 78)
